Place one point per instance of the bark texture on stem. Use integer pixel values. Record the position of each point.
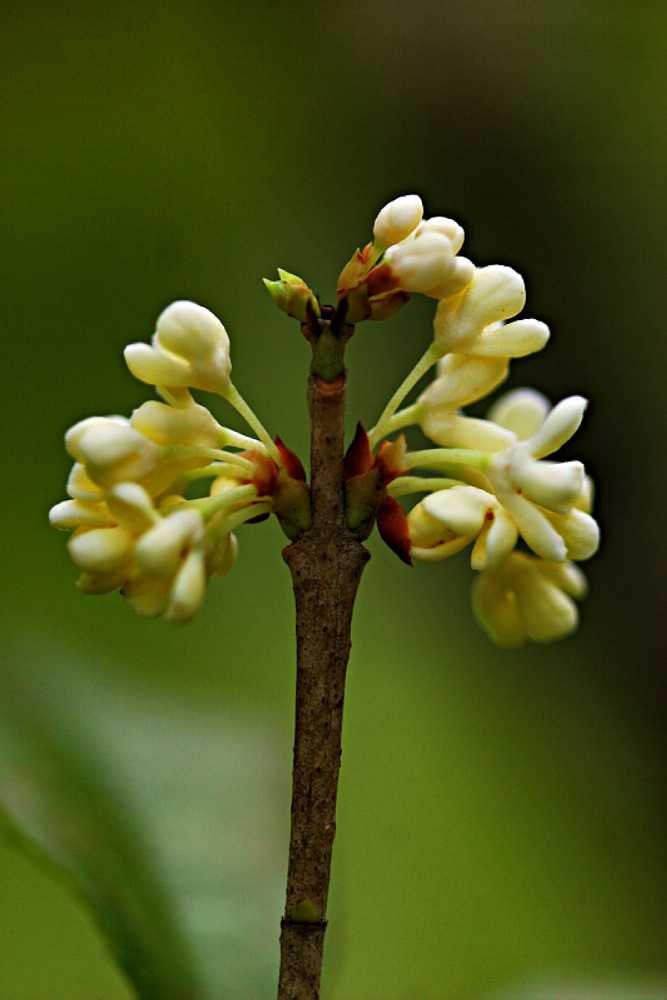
(326, 566)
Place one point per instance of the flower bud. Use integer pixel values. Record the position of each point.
(189, 587)
(132, 507)
(192, 425)
(457, 280)
(189, 348)
(100, 550)
(72, 514)
(471, 322)
(447, 227)
(521, 411)
(111, 450)
(160, 550)
(292, 295)
(420, 262)
(397, 220)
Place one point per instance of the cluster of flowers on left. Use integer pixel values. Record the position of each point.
(132, 525)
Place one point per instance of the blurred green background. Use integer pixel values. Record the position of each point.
(500, 817)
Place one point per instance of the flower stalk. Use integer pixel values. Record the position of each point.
(326, 565)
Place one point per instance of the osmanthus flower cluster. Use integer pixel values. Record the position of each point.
(527, 519)
(489, 484)
(133, 527)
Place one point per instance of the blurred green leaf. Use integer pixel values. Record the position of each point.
(160, 820)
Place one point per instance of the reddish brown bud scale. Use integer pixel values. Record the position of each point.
(367, 497)
(381, 280)
(384, 306)
(393, 527)
(358, 457)
(290, 462)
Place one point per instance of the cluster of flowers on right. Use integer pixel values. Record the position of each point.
(488, 483)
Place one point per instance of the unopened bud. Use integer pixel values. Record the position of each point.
(111, 450)
(189, 348)
(397, 220)
(292, 295)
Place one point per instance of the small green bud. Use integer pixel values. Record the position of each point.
(292, 295)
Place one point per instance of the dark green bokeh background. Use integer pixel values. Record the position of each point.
(500, 815)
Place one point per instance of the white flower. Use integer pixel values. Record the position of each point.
(430, 539)
(81, 487)
(111, 450)
(460, 276)
(189, 348)
(540, 496)
(161, 559)
(104, 534)
(547, 503)
(72, 514)
(462, 513)
(468, 323)
(462, 379)
(446, 227)
(521, 411)
(397, 220)
(166, 425)
(160, 550)
(528, 598)
(171, 574)
(420, 262)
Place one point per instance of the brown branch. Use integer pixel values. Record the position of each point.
(326, 565)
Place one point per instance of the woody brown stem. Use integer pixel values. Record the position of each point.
(326, 565)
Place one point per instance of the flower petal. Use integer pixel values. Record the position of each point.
(511, 340)
(189, 588)
(559, 426)
(71, 514)
(462, 509)
(579, 531)
(522, 411)
(100, 550)
(161, 549)
(397, 220)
